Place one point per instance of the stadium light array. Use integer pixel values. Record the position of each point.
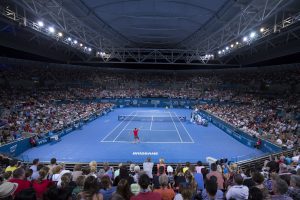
(44, 28)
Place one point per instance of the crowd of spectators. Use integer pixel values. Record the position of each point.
(262, 102)
(37, 118)
(278, 178)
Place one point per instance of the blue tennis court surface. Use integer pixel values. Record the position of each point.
(162, 134)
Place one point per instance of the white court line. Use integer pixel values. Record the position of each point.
(151, 122)
(114, 129)
(185, 128)
(124, 128)
(150, 130)
(119, 141)
(175, 127)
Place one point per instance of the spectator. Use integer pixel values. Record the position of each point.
(218, 175)
(107, 188)
(145, 193)
(41, 184)
(90, 190)
(66, 182)
(161, 163)
(13, 165)
(248, 181)
(52, 165)
(117, 172)
(28, 174)
(34, 165)
(170, 175)
(258, 179)
(148, 167)
(166, 192)
(7, 190)
(294, 189)
(187, 166)
(211, 191)
(280, 188)
(155, 181)
(123, 175)
(198, 178)
(179, 177)
(238, 191)
(255, 194)
(199, 167)
(19, 178)
(185, 192)
(136, 173)
(123, 190)
(76, 172)
(79, 186)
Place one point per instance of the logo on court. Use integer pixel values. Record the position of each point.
(13, 148)
(144, 153)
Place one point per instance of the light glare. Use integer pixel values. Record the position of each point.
(40, 23)
(51, 29)
(252, 34)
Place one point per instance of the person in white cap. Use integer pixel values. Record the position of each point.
(7, 190)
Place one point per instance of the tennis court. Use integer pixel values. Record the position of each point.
(156, 126)
(163, 133)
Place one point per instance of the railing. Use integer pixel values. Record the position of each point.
(257, 162)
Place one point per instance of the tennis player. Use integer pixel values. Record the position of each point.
(136, 135)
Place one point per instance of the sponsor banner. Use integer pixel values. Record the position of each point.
(143, 153)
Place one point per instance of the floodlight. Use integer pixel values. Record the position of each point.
(252, 34)
(89, 49)
(245, 39)
(81, 44)
(60, 34)
(227, 48)
(262, 29)
(223, 50)
(75, 42)
(219, 52)
(237, 43)
(69, 39)
(231, 45)
(40, 23)
(51, 29)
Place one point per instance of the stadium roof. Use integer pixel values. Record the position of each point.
(151, 31)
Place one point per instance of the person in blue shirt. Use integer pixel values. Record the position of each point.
(198, 178)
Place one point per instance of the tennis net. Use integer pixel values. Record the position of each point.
(151, 118)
